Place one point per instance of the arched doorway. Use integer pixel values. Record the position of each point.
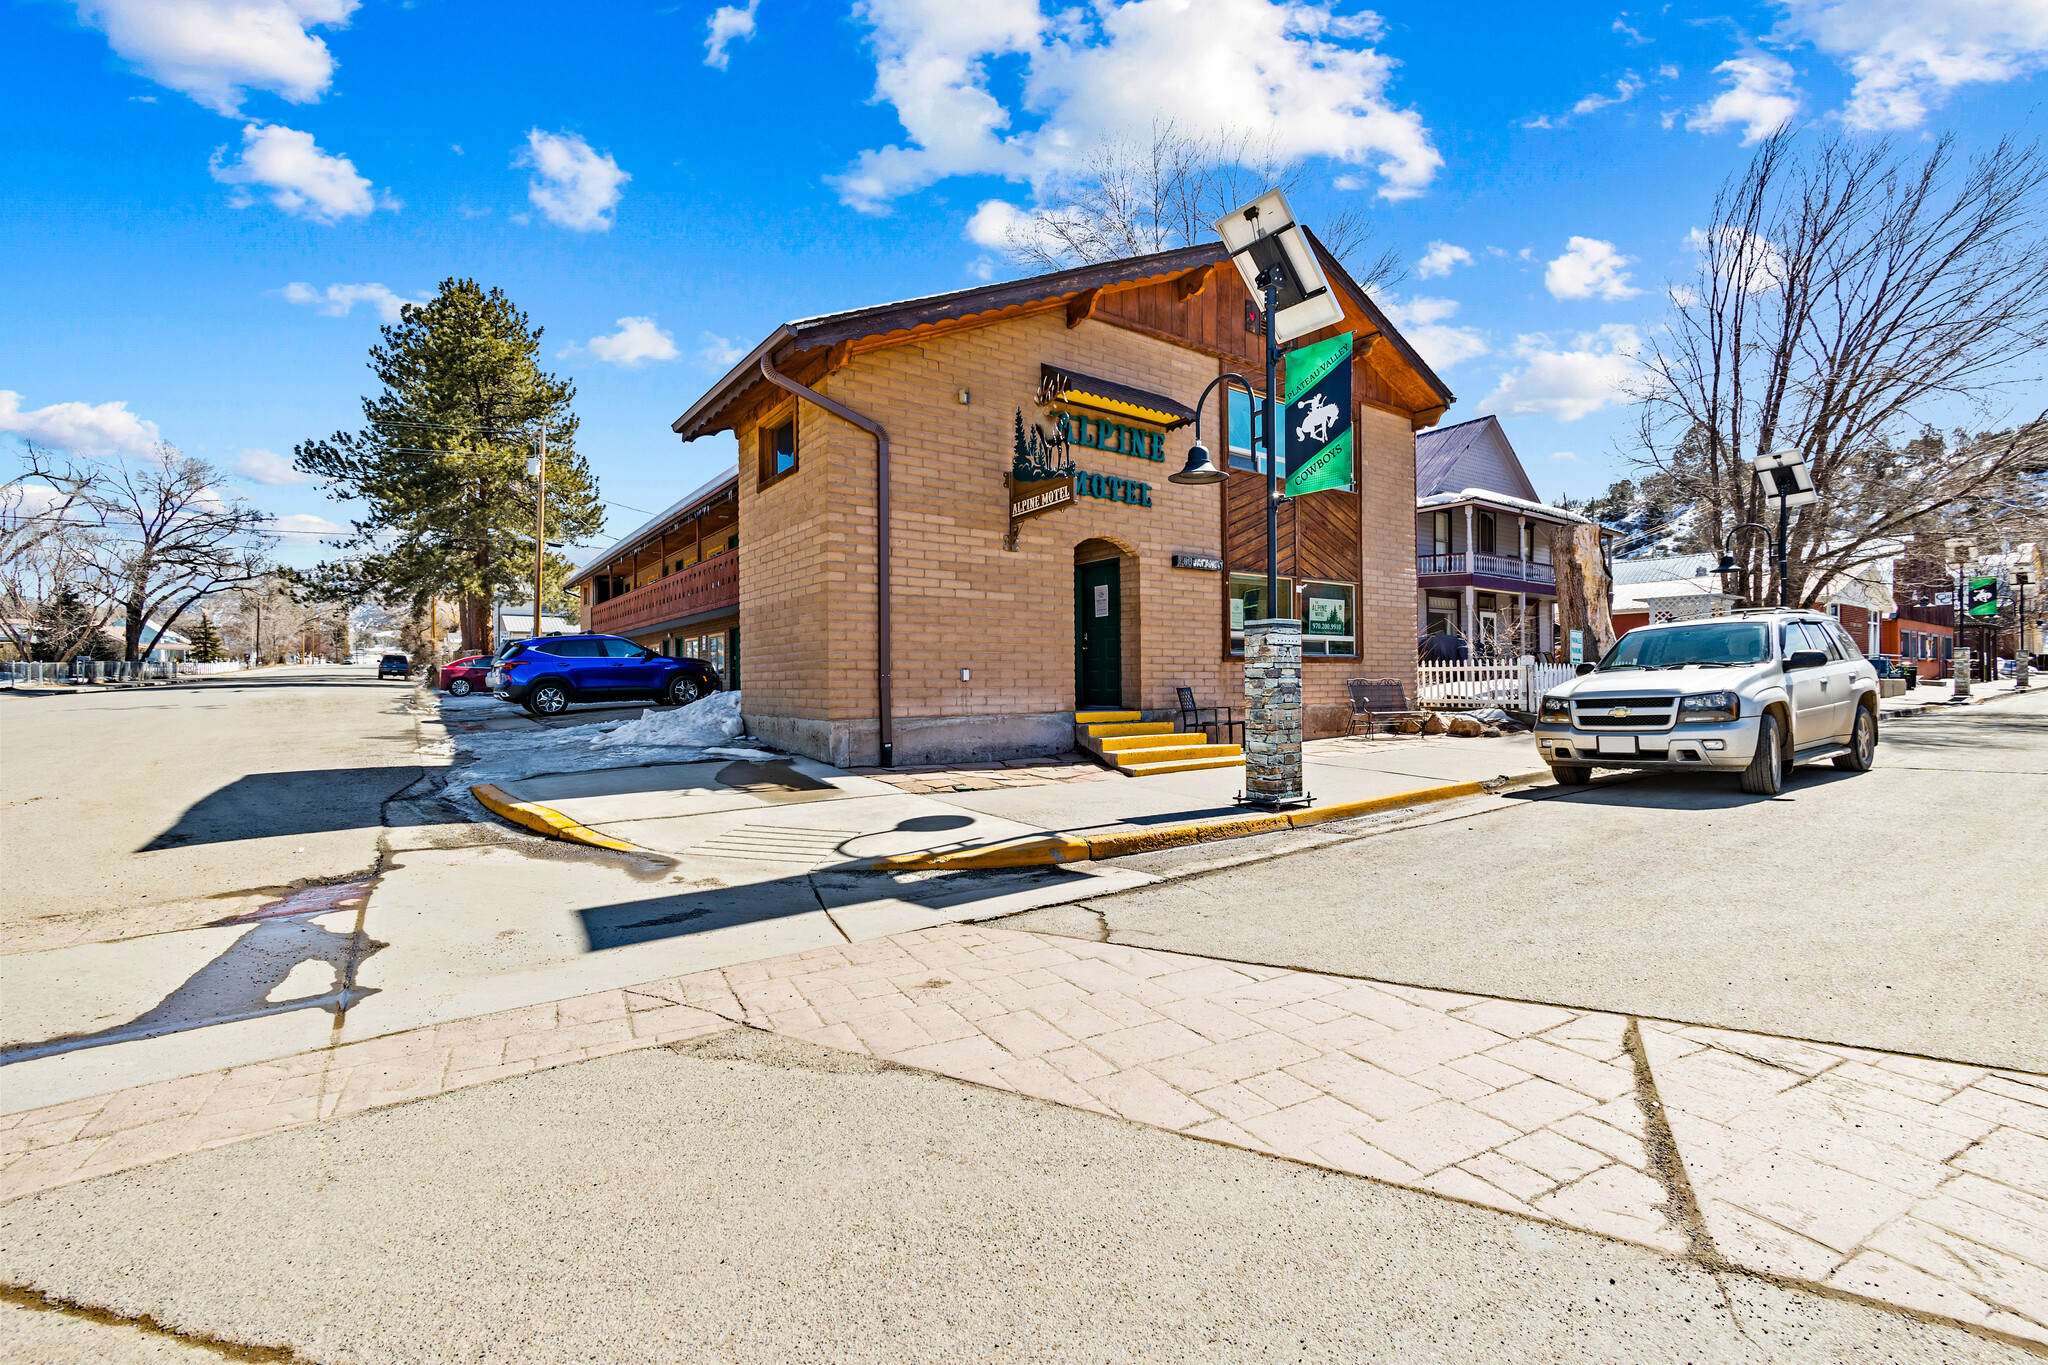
(1105, 624)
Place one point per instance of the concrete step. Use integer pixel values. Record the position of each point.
(1117, 744)
(1100, 717)
(1115, 729)
(1181, 766)
(1152, 758)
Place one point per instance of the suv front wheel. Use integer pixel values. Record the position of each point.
(682, 689)
(548, 699)
(1765, 774)
(1571, 774)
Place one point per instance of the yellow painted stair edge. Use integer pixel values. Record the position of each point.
(1065, 848)
(546, 820)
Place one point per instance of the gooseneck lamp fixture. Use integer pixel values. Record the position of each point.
(1201, 466)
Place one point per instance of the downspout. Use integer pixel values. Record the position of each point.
(882, 632)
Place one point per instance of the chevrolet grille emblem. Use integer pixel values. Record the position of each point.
(1619, 713)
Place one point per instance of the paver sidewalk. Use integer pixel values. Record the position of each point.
(1911, 1182)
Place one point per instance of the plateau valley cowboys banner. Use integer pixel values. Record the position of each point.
(1318, 417)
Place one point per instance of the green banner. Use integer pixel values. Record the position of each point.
(1983, 597)
(1317, 417)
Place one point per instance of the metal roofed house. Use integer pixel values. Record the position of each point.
(1483, 553)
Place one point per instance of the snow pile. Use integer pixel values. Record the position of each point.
(704, 723)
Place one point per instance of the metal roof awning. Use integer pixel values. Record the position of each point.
(1056, 384)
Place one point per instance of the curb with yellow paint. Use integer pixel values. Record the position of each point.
(1074, 848)
(546, 820)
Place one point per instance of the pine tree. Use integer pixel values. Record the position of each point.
(442, 461)
(65, 627)
(206, 645)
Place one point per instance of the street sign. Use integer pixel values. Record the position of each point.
(1983, 599)
(1317, 424)
(1787, 482)
(1578, 647)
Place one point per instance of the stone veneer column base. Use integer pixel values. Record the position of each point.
(1272, 725)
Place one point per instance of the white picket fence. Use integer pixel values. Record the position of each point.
(1475, 684)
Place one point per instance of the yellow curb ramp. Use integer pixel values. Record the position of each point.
(1065, 848)
(546, 820)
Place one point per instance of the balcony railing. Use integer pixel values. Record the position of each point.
(708, 586)
(1495, 566)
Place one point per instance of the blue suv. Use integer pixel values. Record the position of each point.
(546, 675)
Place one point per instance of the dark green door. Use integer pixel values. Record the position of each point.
(1098, 636)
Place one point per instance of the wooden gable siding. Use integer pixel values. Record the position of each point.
(1211, 321)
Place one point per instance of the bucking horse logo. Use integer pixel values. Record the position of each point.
(1319, 415)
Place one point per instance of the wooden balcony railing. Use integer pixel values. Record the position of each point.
(1498, 566)
(700, 588)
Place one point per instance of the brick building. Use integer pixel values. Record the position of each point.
(999, 630)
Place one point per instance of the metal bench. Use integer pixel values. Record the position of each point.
(1208, 718)
(1378, 702)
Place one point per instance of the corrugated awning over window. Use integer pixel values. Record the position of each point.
(1059, 385)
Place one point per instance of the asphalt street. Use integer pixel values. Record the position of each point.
(751, 1198)
(1905, 908)
(154, 808)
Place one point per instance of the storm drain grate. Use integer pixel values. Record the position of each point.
(778, 844)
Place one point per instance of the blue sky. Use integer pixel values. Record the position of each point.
(211, 204)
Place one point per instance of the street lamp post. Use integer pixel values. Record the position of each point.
(2019, 582)
(1728, 565)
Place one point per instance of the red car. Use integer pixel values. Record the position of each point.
(465, 676)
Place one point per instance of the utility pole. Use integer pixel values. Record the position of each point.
(540, 539)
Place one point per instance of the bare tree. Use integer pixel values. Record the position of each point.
(1134, 198)
(169, 539)
(1845, 298)
(44, 540)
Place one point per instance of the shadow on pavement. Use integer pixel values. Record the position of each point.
(1708, 791)
(274, 805)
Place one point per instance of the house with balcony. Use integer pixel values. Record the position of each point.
(673, 585)
(1483, 542)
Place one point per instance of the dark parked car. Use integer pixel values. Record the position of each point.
(465, 676)
(547, 675)
(394, 666)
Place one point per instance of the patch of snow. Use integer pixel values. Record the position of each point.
(706, 721)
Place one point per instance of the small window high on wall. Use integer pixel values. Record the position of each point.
(778, 451)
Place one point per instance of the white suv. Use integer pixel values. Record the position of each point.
(1753, 693)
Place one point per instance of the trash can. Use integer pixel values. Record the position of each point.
(1912, 672)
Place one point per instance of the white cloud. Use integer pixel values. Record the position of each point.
(78, 428)
(1425, 323)
(339, 299)
(1684, 295)
(717, 352)
(1293, 69)
(728, 24)
(299, 524)
(1757, 259)
(1565, 455)
(1589, 267)
(302, 179)
(573, 186)
(269, 469)
(993, 222)
(636, 342)
(1907, 55)
(1634, 36)
(218, 50)
(1624, 90)
(1759, 99)
(1594, 371)
(1441, 259)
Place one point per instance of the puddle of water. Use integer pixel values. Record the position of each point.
(309, 900)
